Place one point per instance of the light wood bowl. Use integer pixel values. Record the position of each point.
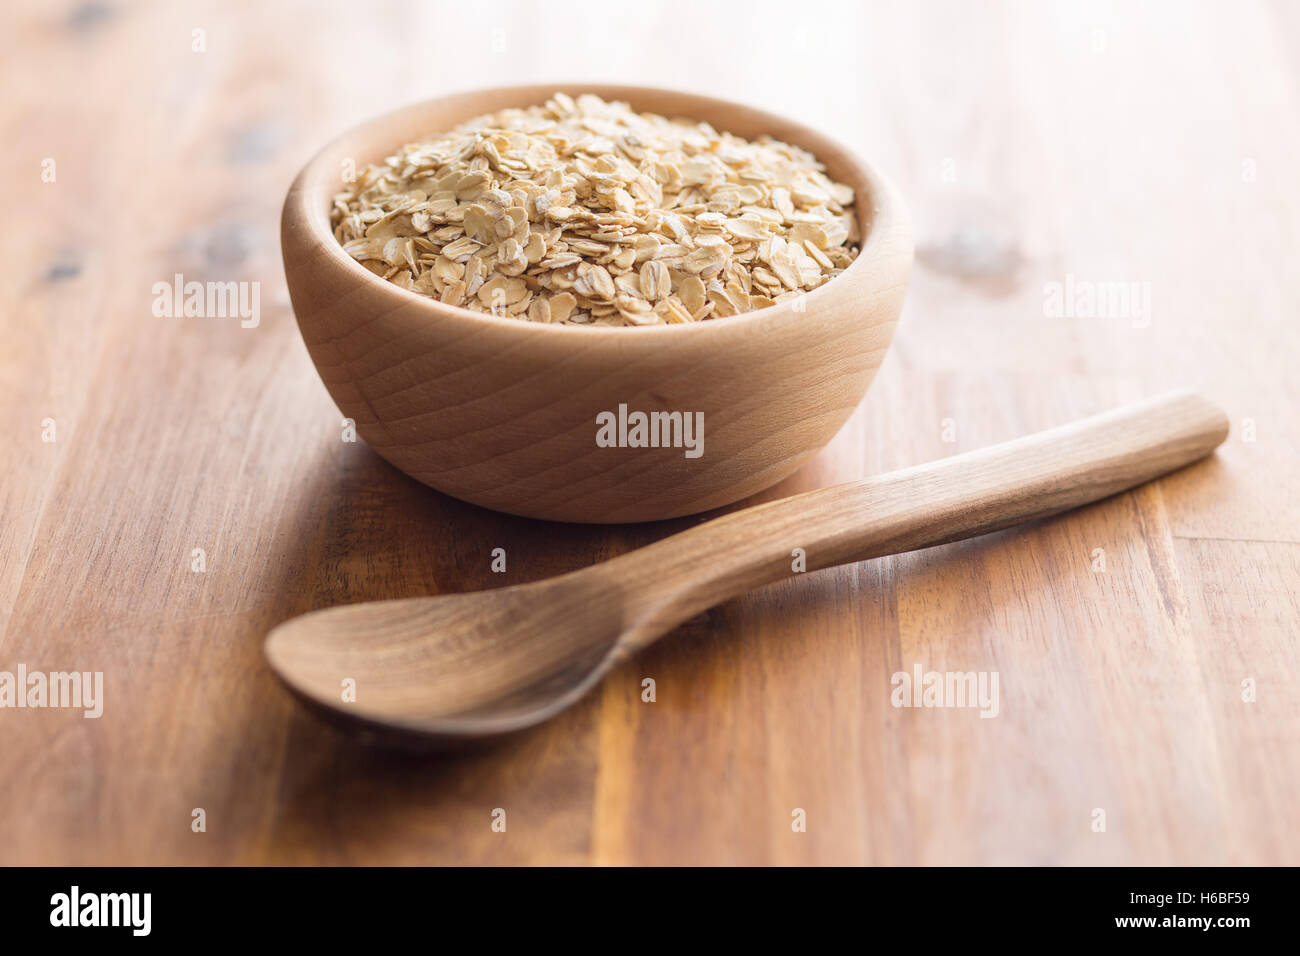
(502, 413)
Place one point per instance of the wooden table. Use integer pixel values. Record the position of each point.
(1037, 144)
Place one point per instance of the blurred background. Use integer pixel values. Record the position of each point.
(1042, 147)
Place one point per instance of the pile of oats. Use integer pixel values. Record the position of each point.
(585, 212)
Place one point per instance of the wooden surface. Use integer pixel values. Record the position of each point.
(1150, 143)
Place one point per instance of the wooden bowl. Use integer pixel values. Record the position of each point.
(503, 413)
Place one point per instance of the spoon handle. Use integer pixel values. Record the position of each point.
(947, 500)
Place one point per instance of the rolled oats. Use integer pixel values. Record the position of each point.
(584, 212)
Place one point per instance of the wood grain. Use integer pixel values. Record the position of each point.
(1032, 142)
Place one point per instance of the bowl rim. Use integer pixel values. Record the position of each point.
(886, 208)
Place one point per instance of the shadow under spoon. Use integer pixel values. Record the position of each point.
(460, 667)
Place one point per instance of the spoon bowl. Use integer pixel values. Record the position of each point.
(485, 662)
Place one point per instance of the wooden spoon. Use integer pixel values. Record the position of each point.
(458, 667)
